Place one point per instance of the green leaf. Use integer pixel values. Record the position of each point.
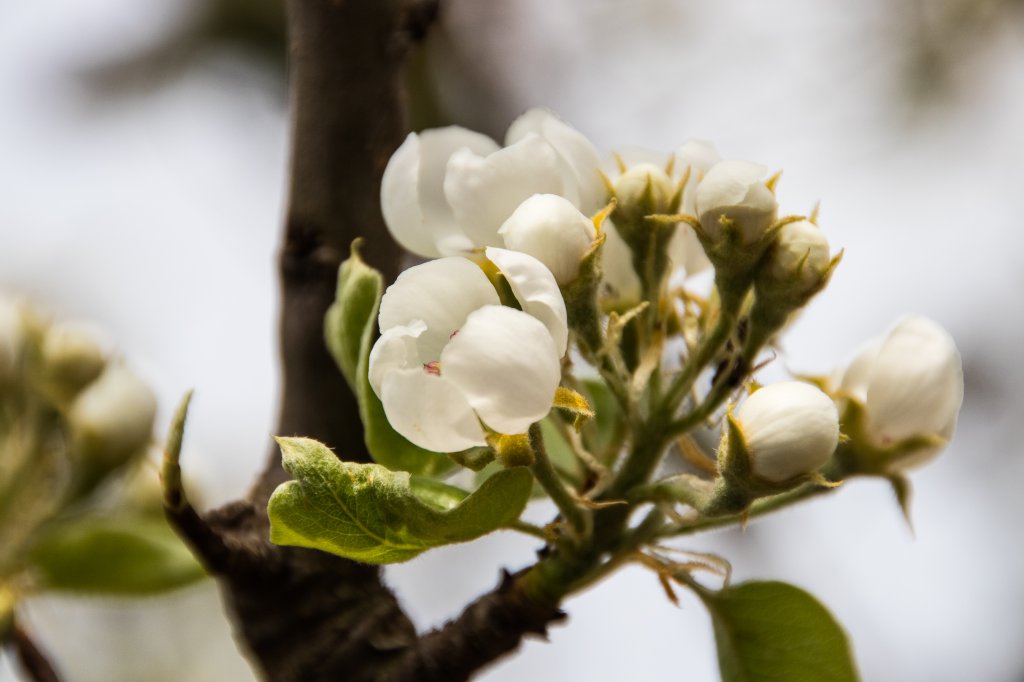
(114, 555)
(775, 632)
(604, 434)
(349, 328)
(368, 513)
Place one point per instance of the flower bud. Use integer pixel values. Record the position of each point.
(799, 258)
(643, 190)
(71, 359)
(112, 418)
(733, 193)
(790, 429)
(902, 396)
(549, 228)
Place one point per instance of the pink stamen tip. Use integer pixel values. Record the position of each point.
(432, 367)
(453, 335)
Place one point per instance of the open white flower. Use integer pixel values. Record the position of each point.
(552, 230)
(578, 158)
(450, 356)
(446, 191)
(736, 191)
(910, 384)
(790, 428)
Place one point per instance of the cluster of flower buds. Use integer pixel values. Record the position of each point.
(58, 384)
(539, 244)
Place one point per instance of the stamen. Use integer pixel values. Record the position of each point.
(432, 367)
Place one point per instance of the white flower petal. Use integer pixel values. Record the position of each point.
(686, 251)
(395, 349)
(916, 383)
(853, 379)
(800, 249)
(736, 189)
(484, 191)
(441, 293)
(400, 202)
(505, 363)
(536, 290)
(579, 159)
(791, 428)
(699, 156)
(429, 411)
(552, 230)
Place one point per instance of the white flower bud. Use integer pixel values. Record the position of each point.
(644, 189)
(549, 228)
(800, 255)
(112, 418)
(71, 357)
(735, 191)
(790, 429)
(910, 385)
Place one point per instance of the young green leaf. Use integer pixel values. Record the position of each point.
(368, 513)
(116, 555)
(349, 328)
(771, 631)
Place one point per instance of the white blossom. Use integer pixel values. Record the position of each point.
(685, 249)
(790, 428)
(736, 191)
(450, 356)
(112, 418)
(552, 230)
(447, 191)
(910, 384)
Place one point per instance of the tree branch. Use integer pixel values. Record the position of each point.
(304, 614)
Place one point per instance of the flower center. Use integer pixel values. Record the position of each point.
(432, 367)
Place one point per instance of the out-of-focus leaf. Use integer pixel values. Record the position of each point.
(775, 632)
(114, 556)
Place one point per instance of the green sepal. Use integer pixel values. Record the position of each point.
(113, 555)
(349, 329)
(903, 491)
(574, 403)
(770, 631)
(473, 459)
(367, 513)
(581, 298)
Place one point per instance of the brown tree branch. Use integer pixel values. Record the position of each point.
(307, 615)
(31, 657)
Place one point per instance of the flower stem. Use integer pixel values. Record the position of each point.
(548, 478)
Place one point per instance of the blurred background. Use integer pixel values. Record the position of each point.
(143, 151)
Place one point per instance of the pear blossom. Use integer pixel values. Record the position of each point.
(451, 360)
(447, 191)
(112, 418)
(736, 191)
(789, 428)
(910, 384)
(800, 253)
(552, 230)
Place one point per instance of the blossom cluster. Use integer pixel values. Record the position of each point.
(535, 243)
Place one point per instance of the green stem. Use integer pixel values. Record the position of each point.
(548, 478)
(759, 508)
(528, 529)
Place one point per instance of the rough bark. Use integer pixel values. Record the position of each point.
(307, 615)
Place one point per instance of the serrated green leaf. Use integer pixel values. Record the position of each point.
(349, 329)
(775, 632)
(116, 555)
(368, 513)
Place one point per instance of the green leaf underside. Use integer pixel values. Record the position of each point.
(349, 332)
(114, 556)
(367, 513)
(775, 632)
